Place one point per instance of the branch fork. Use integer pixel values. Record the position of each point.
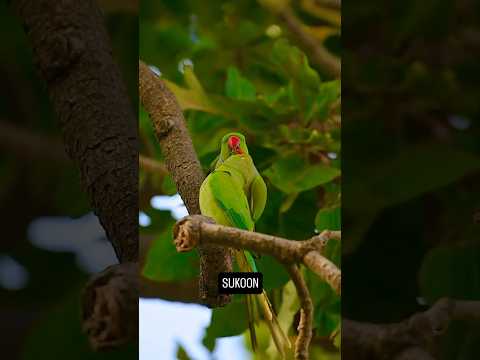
(198, 230)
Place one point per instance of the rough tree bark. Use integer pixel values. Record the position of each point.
(416, 337)
(74, 57)
(182, 163)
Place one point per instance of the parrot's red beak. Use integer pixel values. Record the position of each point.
(234, 144)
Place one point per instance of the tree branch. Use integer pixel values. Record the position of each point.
(110, 306)
(198, 230)
(182, 163)
(319, 55)
(413, 338)
(183, 291)
(335, 4)
(306, 314)
(74, 57)
(152, 165)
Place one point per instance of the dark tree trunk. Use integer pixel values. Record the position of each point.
(73, 55)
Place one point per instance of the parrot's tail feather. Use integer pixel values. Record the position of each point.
(286, 340)
(251, 321)
(279, 337)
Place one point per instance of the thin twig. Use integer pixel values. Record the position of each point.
(152, 165)
(319, 55)
(335, 4)
(306, 313)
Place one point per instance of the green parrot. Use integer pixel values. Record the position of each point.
(234, 194)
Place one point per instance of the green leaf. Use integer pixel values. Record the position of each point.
(337, 338)
(274, 274)
(164, 263)
(451, 272)
(288, 202)
(207, 131)
(404, 177)
(328, 219)
(168, 186)
(281, 101)
(190, 99)
(328, 94)
(230, 320)
(327, 304)
(182, 353)
(333, 251)
(238, 87)
(299, 221)
(294, 174)
(304, 81)
(294, 65)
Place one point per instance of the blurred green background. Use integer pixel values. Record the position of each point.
(411, 154)
(40, 288)
(235, 66)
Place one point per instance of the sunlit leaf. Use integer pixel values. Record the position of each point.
(292, 174)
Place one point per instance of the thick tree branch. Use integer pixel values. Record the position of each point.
(319, 55)
(182, 163)
(306, 313)
(74, 57)
(197, 230)
(413, 338)
(110, 306)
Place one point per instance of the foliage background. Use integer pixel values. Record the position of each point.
(411, 161)
(41, 318)
(233, 66)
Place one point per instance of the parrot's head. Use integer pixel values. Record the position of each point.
(233, 144)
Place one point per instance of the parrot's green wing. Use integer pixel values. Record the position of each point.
(231, 199)
(258, 197)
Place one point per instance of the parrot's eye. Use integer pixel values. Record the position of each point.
(233, 141)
